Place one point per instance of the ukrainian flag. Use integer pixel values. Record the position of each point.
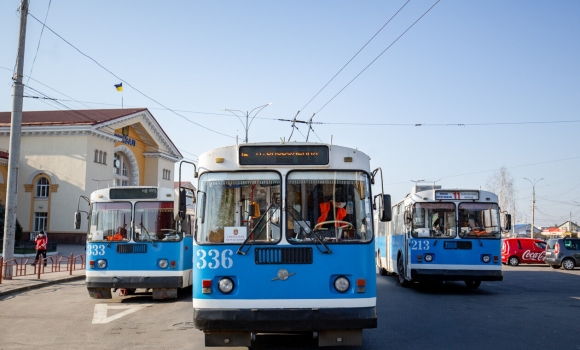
(119, 87)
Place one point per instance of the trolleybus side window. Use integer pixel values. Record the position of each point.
(434, 220)
(110, 221)
(479, 220)
(335, 205)
(235, 205)
(154, 221)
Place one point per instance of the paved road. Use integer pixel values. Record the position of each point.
(533, 308)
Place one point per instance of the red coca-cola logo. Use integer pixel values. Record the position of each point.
(503, 248)
(528, 255)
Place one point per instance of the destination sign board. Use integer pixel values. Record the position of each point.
(456, 195)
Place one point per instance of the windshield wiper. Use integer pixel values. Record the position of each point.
(147, 232)
(311, 231)
(252, 232)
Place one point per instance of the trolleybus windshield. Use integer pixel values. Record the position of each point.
(434, 220)
(333, 204)
(154, 221)
(231, 205)
(110, 221)
(479, 220)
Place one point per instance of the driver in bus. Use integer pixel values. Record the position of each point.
(338, 210)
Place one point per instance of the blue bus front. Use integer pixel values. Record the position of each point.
(455, 242)
(267, 263)
(131, 246)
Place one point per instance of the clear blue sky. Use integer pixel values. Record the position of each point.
(461, 71)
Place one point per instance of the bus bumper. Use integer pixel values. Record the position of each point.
(284, 320)
(456, 275)
(132, 282)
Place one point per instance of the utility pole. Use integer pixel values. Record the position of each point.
(14, 152)
(533, 202)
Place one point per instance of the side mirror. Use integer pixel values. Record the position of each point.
(385, 214)
(508, 222)
(182, 204)
(77, 220)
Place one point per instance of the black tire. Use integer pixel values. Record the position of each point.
(382, 271)
(555, 266)
(513, 261)
(472, 284)
(401, 272)
(568, 264)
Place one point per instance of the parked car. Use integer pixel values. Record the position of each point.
(563, 252)
(515, 251)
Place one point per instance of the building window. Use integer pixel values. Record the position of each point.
(40, 220)
(96, 156)
(42, 187)
(100, 157)
(166, 174)
(122, 170)
(104, 157)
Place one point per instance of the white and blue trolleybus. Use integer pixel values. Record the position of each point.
(284, 243)
(136, 239)
(442, 235)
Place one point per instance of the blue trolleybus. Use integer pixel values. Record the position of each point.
(136, 240)
(442, 235)
(284, 243)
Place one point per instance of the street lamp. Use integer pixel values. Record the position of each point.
(533, 202)
(247, 114)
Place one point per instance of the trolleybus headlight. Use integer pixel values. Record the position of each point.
(341, 284)
(428, 257)
(485, 258)
(102, 264)
(225, 285)
(163, 263)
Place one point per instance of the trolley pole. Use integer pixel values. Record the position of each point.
(14, 152)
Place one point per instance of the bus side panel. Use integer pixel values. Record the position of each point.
(397, 244)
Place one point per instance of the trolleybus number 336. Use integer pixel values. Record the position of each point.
(213, 255)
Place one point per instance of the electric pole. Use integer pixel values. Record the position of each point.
(14, 152)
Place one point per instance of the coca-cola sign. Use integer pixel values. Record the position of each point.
(528, 255)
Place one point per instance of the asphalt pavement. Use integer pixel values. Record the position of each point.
(31, 280)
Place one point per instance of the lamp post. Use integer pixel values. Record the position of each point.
(533, 202)
(247, 114)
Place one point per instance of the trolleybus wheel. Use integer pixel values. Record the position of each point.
(401, 272)
(472, 284)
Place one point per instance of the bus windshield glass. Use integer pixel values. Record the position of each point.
(479, 220)
(434, 220)
(109, 222)
(333, 205)
(154, 221)
(236, 205)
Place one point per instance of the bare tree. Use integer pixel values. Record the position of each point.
(502, 184)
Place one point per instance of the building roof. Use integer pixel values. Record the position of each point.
(96, 121)
(69, 117)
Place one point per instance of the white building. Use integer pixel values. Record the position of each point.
(66, 154)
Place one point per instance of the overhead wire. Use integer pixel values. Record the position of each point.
(39, 40)
(356, 54)
(127, 83)
(373, 61)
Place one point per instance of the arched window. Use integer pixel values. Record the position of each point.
(42, 187)
(96, 156)
(100, 156)
(122, 170)
(105, 158)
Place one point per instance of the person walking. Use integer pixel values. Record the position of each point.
(41, 245)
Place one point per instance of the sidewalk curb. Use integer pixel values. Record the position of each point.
(41, 284)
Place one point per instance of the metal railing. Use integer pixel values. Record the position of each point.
(26, 266)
